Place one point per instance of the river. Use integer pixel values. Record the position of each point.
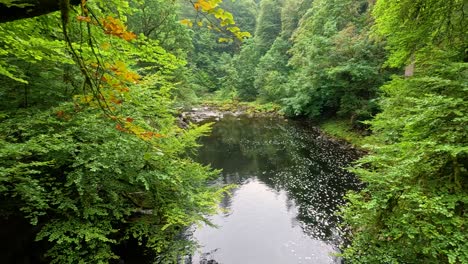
(289, 183)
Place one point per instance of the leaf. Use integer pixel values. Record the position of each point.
(187, 22)
(227, 40)
(10, 75)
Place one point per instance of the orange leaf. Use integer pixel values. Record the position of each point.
(84, 18)
(129, 36)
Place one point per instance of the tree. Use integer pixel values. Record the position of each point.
(336, 66)
(90, 152)
(268, 24)
(272, 72)
(245, 64)
(444, 20)
(159, 20)
(413, 209)
(291, 13)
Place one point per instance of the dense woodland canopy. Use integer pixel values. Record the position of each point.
(91, 154)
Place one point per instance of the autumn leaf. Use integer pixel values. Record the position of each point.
(128, 36)
(227, 40)
(113, 26)
(186, 22)
(84, 18)
(120, 128)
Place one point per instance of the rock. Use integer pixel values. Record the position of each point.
(182, 121)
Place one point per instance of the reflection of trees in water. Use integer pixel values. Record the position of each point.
(232, 178)
(317, 196)
(284, 156)
(208, 258)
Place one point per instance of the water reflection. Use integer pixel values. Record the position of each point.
(290, 184)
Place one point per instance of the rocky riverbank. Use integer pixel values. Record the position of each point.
(215, 113)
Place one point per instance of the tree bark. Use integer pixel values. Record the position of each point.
(29, 8)
(409, 69)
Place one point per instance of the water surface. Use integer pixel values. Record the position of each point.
(290, 182)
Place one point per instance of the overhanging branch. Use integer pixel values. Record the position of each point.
(29, 8)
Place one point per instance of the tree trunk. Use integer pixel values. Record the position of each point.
(409, 69)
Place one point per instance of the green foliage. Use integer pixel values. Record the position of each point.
(89, 149)
(272, 72)
(291, 13)
(336, 67)
(158, 19)
(412, 27)
(23, 42)
(206, 60)
(412, 210)
(212, 11)
(244, 12)
(313, 57)
(90, 183)
(268, 24)
(210, 60)
(245, 64)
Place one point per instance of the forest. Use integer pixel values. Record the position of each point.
(93, 158)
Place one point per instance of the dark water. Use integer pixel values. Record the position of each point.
(290, 183)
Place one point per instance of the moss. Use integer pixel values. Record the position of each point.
(253, 108)
(341, 129)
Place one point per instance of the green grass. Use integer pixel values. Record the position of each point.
(342, 130)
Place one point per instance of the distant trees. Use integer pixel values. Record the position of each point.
(211, 50)
(268, 24)
(244, 64)
(272, 72)
(314, 58)
(336, 66)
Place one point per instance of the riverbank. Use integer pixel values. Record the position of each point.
(216, 110)
(341, 130)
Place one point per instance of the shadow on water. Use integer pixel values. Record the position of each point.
(290, 184)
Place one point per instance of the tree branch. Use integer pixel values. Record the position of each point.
(29, 8)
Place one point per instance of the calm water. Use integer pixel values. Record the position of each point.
(289, 185)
